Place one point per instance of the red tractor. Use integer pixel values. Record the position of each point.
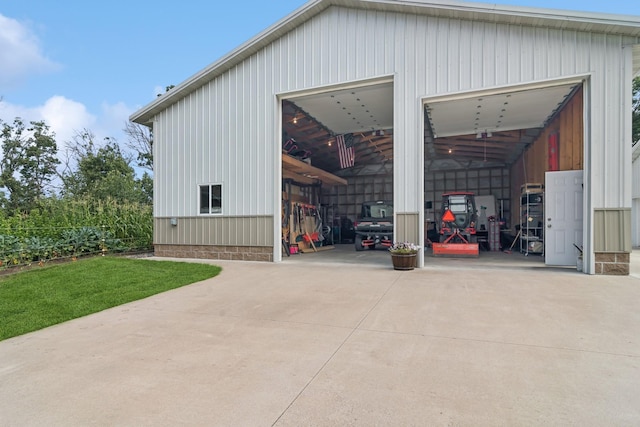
(457, 225)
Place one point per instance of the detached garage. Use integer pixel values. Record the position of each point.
(348, 101)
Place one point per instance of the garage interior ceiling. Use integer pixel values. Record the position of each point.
(462, 132)
(495, 113)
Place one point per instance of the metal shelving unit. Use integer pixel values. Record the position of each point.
(532, 220)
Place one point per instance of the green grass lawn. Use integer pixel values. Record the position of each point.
(45, 296)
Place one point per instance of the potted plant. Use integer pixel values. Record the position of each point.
(404, 255)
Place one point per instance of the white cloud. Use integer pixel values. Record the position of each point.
(113, 119)
(65, 117)
(20, 53)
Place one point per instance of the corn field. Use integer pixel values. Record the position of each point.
(67, 229)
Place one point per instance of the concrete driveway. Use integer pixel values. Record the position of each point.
(332, 344)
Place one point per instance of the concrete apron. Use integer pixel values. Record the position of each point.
(328, 344)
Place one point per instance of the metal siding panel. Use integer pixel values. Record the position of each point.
(540, 54)
(422, 57)
(613, 150)
(609, 147)
(554, 54)
(356, 21)
(407, 228)
(636, 179)
(370, 50)
(514, 52)
(635, 222)
(219, 231)
(526, 54)
(431, 52)
(626, 123)
(177, 139)
(569, 52)
(453, 56)
(612, 230)
(465, 56)
(596, 123)
(442, 57)
(232, 175)
(413, 162)
(489, 66)
(477, 49)
(400, 136)
(502, 55)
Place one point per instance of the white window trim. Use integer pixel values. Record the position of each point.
(211, 184)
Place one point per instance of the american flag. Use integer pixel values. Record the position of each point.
(346, 152)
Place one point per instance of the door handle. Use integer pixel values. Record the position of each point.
(548, 225)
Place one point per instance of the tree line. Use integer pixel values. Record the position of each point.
(32, 169)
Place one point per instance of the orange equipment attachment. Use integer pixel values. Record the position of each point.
(461, 247)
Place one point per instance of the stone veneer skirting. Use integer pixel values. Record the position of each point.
(239, 253)
(612, 263)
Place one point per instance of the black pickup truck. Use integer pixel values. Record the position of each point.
(375, 226)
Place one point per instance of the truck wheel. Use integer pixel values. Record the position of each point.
(358, 243)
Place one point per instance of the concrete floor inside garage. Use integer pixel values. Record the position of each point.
(346, 254)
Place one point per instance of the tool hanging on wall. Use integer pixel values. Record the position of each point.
(285, 227)
(318, 230)
(295, 218)
(309, 239)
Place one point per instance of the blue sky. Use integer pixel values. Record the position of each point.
(85, 64)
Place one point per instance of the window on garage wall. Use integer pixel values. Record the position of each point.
(210, 199)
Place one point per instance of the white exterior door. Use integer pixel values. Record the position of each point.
(563, 217)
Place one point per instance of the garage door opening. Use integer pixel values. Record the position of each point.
(498, 145)
(337, 154)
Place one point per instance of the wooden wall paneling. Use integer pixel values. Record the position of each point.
(565, 137)
(578, 131)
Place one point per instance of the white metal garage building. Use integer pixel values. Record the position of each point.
(433, 96)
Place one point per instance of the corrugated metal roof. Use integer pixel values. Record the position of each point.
(512, 15)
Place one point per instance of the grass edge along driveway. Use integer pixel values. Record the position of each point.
(41, 297)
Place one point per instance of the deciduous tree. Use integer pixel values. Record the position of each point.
(29, 162)
(140, 141)
(100, 170)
